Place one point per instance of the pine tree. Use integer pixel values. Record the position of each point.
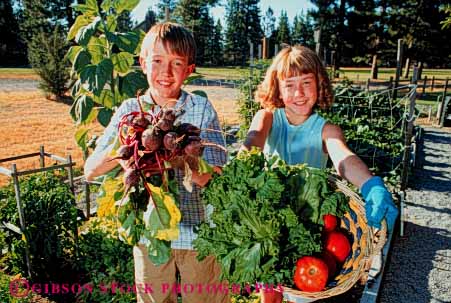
(303, 31)
(11, 46)
(217, 45)
(243, 27)
(195, 16)
(326, 17)
(360, 37)
(269, 22)
(46, 52)
(161, 9)
(283, 29)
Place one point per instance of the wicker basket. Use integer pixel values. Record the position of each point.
(362, 251)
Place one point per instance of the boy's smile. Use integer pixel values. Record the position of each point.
(165, 72)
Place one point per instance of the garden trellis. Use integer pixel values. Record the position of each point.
(66, 163)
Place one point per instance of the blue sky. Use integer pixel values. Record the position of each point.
(292, 7)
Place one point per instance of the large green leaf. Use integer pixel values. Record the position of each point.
(122, 62)
(106, 98)
(97, 76)
(106, 5)
(132, 83)
(85, 33)
(97, 47)
(111, 23)
(104, 116)
(80, 137)
(81, 21)
(82, 59)
(81, 108)
(89, 8)
(73, 52)
(124, 5)
(127, 42)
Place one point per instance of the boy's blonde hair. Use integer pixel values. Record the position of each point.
(293, 61)
(175, 39)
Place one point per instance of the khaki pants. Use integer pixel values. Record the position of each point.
(199, 280)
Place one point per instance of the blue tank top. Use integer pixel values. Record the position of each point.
(297, 143)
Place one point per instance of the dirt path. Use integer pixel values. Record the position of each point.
(420, 264)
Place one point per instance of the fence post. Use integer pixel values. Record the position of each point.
(41, 156)
(70, 174)
(424, 85)
(367, 85)
(21, 216)
(398, 67)
(409, 131)
(442, 107)
(432, 84)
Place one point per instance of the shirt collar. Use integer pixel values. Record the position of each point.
(185, 100)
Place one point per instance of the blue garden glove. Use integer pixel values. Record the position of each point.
(379, 203)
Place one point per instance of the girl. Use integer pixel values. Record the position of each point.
(295, 85)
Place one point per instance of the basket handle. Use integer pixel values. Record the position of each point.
(375, 260)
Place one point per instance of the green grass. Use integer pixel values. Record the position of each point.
(16, 71)
(228, 73)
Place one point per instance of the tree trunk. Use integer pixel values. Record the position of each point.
(407, 68)
(374, 67)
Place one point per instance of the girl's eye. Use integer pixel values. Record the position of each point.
(156, 60)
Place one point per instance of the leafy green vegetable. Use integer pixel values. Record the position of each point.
(266, 215)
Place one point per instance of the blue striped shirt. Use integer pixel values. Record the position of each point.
(198, 111)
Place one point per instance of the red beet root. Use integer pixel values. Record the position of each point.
(151, 139)
(169, 114)
(194, 148)
(131, 177)
(169, 141)
(124, 152)
(165, 125)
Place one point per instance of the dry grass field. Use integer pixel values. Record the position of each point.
(30, 120)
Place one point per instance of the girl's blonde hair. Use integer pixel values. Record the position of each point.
(293, 61)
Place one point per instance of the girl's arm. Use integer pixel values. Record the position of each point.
(259, 130)
(378, 200)
(347, 164)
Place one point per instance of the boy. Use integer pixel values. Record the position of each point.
(167, 58)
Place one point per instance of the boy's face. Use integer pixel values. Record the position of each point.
(165, 72)
(299, 94)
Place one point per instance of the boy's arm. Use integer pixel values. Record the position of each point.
(259, 130)
(214, 156)
(99, 162)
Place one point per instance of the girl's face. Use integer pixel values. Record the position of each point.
(299, 94)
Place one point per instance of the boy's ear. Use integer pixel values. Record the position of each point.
(142, 62)
(191, 68)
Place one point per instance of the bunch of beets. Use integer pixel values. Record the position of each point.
(150, 141)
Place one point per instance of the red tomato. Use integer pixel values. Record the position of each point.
(311, 274)
(331, 263)
(330, 222)
(338, 245)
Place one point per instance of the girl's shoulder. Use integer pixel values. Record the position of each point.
(331, 130)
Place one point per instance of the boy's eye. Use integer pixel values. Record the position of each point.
(156, 60)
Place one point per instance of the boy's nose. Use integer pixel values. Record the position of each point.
(167, 68)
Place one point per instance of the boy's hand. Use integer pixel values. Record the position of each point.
(379, 203)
